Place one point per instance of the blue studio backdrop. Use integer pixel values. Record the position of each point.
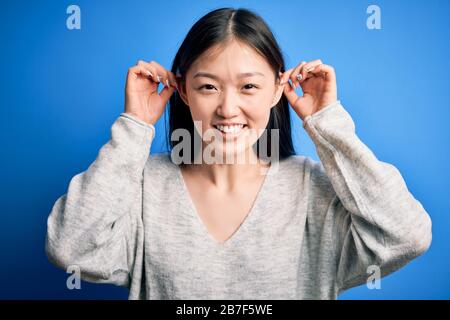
(61, 90)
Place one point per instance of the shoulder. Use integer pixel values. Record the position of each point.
(160, 158)
(293, 164)
(161, 164)
(311, 172)
(303, 164)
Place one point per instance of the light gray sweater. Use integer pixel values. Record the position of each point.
(313, 230)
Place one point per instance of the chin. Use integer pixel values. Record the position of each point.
(233, 153)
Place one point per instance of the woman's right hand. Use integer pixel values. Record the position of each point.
(141, 91)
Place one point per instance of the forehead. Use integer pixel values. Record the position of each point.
(230, 59)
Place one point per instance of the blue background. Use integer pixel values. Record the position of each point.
(62, 89)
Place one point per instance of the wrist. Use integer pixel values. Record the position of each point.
(140, 119)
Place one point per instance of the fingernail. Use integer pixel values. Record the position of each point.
(158, 78)
(150, 74)
(167, 83)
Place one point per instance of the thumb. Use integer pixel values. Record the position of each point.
(290, 94)
(166, 93)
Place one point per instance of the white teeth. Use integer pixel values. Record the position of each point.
(230, 129)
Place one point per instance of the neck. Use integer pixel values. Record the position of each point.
(230, 176)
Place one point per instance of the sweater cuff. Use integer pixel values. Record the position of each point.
(138, 121)
(321, 113)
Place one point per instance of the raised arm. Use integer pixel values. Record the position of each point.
(373, 219)
(97, 224)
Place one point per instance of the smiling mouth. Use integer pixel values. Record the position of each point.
(231, 130)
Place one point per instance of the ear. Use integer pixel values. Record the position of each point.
(278, 93)
(181, 83)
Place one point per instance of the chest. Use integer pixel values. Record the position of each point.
(259, 229)
(222, 213)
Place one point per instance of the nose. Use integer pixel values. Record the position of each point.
(229, 105)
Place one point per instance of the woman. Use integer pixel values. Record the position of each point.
(180, 226)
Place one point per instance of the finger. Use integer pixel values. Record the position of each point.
(156, 71)
(285, 76)
(140, 70)
(325, 71)
(151, 71)
(290, 94)
(172, 80)
(165, 80)
(307, 68)
(162, 73)
(166, 92)
(295, 73)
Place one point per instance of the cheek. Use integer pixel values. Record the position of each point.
(262, 98)
(200, 112)
(258, 111)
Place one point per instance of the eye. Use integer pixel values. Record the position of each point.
(206, 85)
(254, 86)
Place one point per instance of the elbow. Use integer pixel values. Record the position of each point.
(59, 239)
(423, 236)
(59, 250)
(55, 254)
(413, 242)
(419, 237)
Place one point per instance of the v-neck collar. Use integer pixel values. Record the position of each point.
(246, 223)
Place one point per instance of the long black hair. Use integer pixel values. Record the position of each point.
(216, 28)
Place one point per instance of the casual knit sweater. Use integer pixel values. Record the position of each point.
(313, 231)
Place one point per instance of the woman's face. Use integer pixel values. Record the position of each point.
(219, 89)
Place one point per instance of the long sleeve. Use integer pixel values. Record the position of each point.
(97, 224)
(372, 219)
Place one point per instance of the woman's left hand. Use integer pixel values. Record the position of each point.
(318, 83)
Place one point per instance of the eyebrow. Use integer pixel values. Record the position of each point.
(240, 75)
